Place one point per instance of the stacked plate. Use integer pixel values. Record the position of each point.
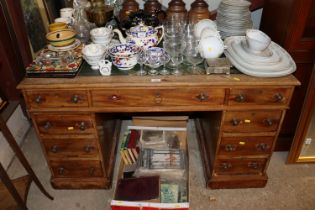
(233, 17)
(272, 62)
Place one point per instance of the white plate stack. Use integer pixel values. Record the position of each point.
(274, 61)
(233, 17)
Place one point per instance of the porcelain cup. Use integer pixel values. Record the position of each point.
(66, 12)
(105, 67)
(257, 41)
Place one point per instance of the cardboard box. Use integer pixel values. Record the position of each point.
(178, 123)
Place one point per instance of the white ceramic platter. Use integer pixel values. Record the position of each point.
(251, 64)
(255, 73)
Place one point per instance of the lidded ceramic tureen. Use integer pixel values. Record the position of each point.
(141, 35)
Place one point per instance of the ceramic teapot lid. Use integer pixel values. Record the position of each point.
(141, 30)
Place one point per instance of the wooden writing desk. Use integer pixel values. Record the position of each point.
(238, 118)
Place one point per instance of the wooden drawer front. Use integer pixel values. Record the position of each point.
(251, 121)
(162, 97)
(246, 145)
(260, 96)
(64, 124)
(71, 148)
(53, 98)
(239, 166)
(75, 169)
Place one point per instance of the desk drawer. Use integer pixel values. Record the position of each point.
(64, 124)
(53, 98)
(259, 96)
(157, 97)
(71, 148)
(240, 166)
(246, 145)
(76, 169)
(251, 121)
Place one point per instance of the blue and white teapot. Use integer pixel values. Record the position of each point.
(141, 35)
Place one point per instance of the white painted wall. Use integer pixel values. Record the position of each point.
(18, 125)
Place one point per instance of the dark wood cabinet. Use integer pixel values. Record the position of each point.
(291, 23)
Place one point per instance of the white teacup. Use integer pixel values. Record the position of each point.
(67, 20)
(105, 67)
(66, 12)
(209, 32)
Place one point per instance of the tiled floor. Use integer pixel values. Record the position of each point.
(289, 187)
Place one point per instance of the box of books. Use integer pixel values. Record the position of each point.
(154, 165)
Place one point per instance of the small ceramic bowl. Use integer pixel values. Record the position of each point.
(57, 26)
(61, 38)
(211, 47)
(257, 40)
(93, 53)
(205, 23)
(124, 56)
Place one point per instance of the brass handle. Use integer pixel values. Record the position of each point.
(54, 149)
(158, 98)
(61, 171)
(240, 98)
(47, 125)
(202, 97)
(92, 171)
(268, 122)
(38, 99)
(88, 148)
(75, 99)
(82, 126)
(253, 165)
(235, 122)
(262, 147)
(278, 97)
(115, 97)
(230, 147)
(225, 166)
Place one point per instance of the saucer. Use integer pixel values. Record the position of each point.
(74, 45)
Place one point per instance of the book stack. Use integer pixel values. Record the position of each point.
(129, 150)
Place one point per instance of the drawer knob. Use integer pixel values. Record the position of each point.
(230, 147)
(262, 147)
(225, 166)
(158, 98)
(47, 125)
(82, 126)
(278, 97)
(75, 99)
(61, 171)
(240, 98)
(202, 97)
(92, 171)
(54, 149)
(88, 148)
(268, 122)
(38, 99)
(235, 122)
(253, 165)
(115, 97)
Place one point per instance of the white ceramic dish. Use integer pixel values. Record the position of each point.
(284, 63)
(254, 73)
